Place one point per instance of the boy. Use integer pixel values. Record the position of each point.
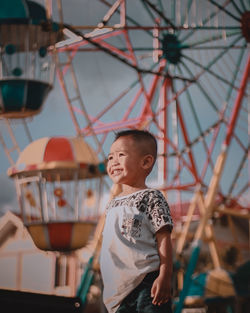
(136, 256)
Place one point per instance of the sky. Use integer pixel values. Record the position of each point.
(102, 78)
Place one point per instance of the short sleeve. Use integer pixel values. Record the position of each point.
(158, 212)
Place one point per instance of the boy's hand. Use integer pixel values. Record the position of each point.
(160, 291)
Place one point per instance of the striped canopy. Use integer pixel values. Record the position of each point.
(61, 236)
(58, 156)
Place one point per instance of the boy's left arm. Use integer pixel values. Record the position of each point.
(161, 289)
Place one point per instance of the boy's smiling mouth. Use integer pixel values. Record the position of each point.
(116, 172)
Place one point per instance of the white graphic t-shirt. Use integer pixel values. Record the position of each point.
(129, 248)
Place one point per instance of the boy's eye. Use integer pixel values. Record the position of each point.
(121, 154)
(110, 158)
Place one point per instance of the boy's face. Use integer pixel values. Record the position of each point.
(125, 162)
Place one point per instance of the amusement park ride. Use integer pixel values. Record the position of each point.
(188, 65)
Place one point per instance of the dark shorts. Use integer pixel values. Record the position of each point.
(140, 300)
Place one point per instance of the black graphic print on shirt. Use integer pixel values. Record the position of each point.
(150, 202)
(131, 225)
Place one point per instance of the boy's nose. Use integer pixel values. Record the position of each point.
(115, 161)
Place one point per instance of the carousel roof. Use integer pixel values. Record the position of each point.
(57, 154)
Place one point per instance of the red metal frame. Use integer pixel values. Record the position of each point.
(146, 116)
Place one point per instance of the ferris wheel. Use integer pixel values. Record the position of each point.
(188, 63)
(179, 69)
(176, 68)
(188, 68)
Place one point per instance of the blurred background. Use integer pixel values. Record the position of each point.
(72, 74)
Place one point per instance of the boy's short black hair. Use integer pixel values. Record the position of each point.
(143, 136)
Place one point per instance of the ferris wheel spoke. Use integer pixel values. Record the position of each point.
(112, 104)
(117, 56)
(161, 6)
(184, 17)
(115, 50)
(225, 10)
(234, 75)
(222, 119)
(203, 22)
(243, 5)
(238, 140)
(145, 108)
(212, 88)
(205, 93)
(238, 172)
(237, 8)
(175, 179)
(241, 192)
(134, 60)
(186, 139)
(239, 47)
(128, 18)
(201, 134)
(211, 39)
(133, 122)
(132, 104)
(145, 5)
(206, 69)
(176, 152)
(166, 20)
(189, 98)
(176, 12)
(78, 98)
(211, 148)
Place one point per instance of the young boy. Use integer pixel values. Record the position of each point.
(136, 255)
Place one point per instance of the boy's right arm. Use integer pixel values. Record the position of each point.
(161, 289)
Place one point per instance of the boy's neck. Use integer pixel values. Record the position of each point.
(127, 190)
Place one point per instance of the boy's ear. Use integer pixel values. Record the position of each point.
(147, 161)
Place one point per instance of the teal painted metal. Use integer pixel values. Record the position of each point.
(198, 285)
(210, 64)
(207, 68)
(37, 13)
(23, 12)
(224, 9)
(173, 12)
(243, 5)
(241, 279)
(171, 48)
(86, 281)
(188, 9)
(188, 276)
(13, 9)
(102, 167)
(20, 94)
(190, 101)
(211, 38)
(161, 6)
(202, 89)
(148, 11)
(25, 83)
(204, 22)
(235, 74)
